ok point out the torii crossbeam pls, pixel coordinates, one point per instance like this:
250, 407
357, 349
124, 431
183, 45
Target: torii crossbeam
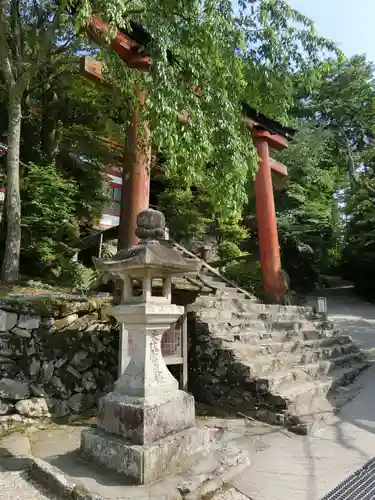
265, 133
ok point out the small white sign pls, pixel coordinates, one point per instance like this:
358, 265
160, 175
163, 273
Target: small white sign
322, 305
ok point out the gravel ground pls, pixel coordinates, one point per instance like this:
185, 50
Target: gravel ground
14, 486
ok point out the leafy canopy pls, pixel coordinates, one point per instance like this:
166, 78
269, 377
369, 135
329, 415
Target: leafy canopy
251, 53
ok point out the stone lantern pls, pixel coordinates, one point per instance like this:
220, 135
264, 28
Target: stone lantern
146, 426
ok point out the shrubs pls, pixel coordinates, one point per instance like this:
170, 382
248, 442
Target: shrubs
228, 250
76, 275
358, 255
247, 275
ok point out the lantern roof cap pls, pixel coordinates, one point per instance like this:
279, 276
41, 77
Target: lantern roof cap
151, 253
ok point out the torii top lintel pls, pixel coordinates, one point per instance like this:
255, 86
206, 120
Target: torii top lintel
130, 47
125, 46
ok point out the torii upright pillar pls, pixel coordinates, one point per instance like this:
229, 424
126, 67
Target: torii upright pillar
135, 192
137, 152
273, 280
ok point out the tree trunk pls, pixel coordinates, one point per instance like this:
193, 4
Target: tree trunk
11, 262
50, 133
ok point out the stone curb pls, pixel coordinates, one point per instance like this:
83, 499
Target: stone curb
57, 482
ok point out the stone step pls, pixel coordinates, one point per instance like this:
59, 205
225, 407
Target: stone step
233, 314
271, 317
303, 398
283, 360
216, 321
266, 365
243, 308
307, 372
256, 336
233, 327
274, 308
208, 302
287, 325
264, 348
280, 361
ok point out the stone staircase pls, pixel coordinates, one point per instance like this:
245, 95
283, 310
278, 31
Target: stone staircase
279, 364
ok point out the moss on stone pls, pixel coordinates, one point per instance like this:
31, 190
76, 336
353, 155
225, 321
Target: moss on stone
53, 306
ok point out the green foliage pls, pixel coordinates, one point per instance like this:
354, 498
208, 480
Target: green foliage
345, 103
359, 248
76, 275
191, 214
49, 218
228, 229
51, 205
108, 251
39, 58
247, 275
283, 54
326, 207
306, 206
187, 215
229, 250
230, 56
332, 264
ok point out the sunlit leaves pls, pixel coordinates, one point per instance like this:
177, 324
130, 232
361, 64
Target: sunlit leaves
250, 53
280, 44
49, 215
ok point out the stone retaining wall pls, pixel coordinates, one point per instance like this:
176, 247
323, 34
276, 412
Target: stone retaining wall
215, 376
56, 357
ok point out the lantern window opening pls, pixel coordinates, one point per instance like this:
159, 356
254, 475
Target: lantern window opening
157, 286
137, 287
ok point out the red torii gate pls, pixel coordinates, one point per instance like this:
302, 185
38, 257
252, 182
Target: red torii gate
265, 133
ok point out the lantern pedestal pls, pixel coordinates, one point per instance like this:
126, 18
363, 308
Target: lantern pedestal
146, 426
144, 464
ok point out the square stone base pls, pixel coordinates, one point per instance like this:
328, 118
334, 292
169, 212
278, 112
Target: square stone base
148, 463
144, 420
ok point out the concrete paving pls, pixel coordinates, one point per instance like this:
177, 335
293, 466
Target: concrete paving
306, 468
355, 317
57, 446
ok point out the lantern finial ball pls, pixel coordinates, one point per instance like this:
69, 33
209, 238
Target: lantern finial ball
150, 225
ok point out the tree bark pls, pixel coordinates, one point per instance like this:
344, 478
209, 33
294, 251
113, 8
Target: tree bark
50, 130
11, 261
